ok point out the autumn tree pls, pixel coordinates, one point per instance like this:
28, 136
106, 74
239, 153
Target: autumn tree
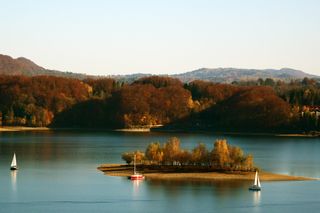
140, 156
200, 155
223, 156
171, 151
102, 87
128, 157
236, 157
252, 109
220, 156
247, 163
154, 153
36, 100
185, 158
159, 81
227, 157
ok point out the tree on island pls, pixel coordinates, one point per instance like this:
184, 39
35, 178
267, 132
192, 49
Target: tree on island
154, 153
129, 156
223, 156
200, 155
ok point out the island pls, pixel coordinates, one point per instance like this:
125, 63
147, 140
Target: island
122, 170
170, 162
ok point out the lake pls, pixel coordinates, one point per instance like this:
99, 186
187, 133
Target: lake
58, 173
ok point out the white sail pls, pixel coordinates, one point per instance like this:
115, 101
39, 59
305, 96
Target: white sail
256, 179
14, 161
256, 185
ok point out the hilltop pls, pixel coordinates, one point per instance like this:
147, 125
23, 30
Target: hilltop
228, 75
26, 67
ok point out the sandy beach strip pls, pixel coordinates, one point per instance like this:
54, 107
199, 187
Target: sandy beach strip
125, 171
22, 128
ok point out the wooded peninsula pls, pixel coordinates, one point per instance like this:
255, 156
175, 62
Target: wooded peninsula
262, 106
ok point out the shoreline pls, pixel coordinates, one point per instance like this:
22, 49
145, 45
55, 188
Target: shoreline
152, 130
133, 130
121, 170
273, 134
22, 128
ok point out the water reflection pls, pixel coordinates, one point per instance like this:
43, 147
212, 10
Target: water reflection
67, 162
256, 198
136, 185
14, 180
220, 189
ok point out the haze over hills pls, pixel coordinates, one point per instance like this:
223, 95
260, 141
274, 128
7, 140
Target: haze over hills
24, 66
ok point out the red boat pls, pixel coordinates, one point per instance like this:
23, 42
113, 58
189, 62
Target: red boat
135, 176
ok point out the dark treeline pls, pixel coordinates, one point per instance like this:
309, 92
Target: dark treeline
261, 106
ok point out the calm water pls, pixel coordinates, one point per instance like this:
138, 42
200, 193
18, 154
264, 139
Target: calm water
58, 174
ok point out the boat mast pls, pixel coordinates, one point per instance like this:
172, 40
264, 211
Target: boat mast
134, 164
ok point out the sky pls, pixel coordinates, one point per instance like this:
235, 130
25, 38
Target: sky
104, 37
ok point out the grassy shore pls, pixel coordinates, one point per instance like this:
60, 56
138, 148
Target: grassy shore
125, 171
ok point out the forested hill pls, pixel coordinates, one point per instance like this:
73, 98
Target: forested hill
26, 67
229, 75
263, 106
23, 66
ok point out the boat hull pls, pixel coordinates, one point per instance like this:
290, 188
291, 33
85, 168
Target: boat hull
254, 188
13, 168
136, 177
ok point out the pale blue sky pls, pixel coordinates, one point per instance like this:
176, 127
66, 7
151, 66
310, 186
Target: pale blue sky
162, 36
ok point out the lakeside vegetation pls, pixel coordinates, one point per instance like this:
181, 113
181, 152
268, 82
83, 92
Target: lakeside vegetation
223, 157
156, 174
264, 105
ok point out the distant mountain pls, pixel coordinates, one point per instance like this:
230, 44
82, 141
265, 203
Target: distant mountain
228, 75
128, 78
24, 66
19, 66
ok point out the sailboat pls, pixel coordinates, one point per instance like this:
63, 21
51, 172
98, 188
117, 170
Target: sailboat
14, 163
256, 185
135, 176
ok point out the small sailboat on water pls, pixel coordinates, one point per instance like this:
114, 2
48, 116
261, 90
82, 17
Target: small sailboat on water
14, 163
256, 185
135, 176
